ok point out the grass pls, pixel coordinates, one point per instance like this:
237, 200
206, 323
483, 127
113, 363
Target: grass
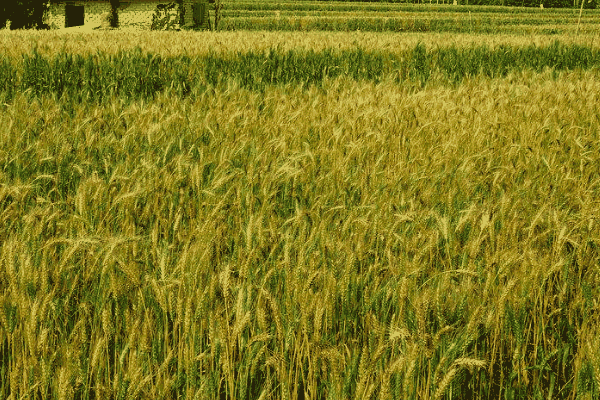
429, 237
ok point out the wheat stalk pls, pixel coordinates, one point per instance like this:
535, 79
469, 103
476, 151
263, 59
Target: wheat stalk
445, 382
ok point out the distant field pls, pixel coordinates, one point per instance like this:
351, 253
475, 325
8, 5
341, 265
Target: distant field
344, 16
14, 44
302, 215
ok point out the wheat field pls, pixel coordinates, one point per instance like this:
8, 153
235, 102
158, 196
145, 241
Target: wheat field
347, 240
14, 44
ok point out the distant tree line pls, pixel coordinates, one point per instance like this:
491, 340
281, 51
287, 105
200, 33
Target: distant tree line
28, 14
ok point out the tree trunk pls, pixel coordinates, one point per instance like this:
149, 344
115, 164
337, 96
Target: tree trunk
218, 8
114, 13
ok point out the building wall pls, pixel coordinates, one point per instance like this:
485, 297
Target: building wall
132, 14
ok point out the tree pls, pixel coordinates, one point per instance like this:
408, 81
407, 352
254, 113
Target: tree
3, 15
24, 14
218, 8
114, 13
181, 12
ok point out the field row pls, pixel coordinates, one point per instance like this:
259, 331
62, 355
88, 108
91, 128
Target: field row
344, 16
464, 24
13, 44
134, 74
369, 7
528, 19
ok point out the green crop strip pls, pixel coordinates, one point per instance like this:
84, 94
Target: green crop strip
460, 23
135, 75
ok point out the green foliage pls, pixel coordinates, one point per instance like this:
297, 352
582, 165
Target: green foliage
8, 77
134, 75
254, 70
419, 64
586, 384
128, 75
